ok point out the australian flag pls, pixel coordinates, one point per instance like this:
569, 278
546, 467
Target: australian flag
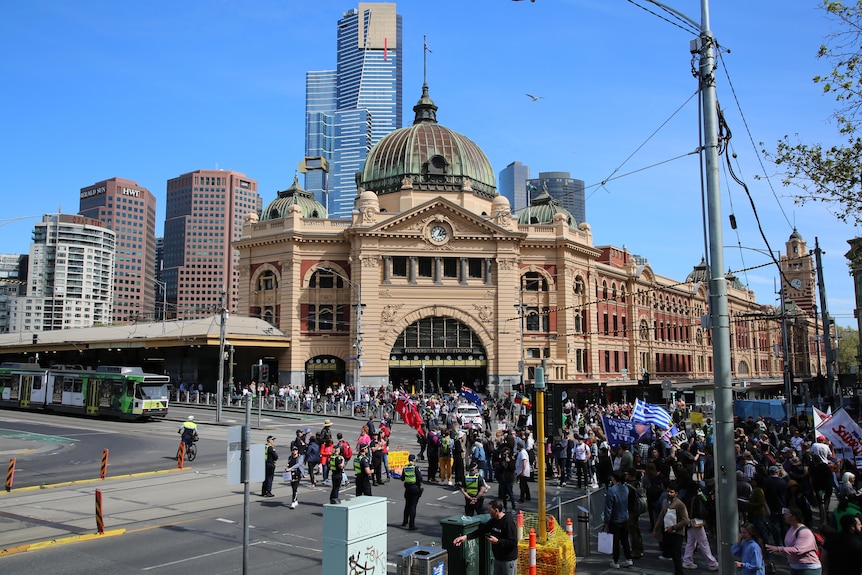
471, 396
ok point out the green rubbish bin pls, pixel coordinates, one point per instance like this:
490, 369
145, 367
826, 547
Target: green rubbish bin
472, 557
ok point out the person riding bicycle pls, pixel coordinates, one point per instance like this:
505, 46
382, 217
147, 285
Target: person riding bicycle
189, 431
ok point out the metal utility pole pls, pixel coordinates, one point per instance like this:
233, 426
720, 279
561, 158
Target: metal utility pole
725, 462
827, 331
785, 352
220, 384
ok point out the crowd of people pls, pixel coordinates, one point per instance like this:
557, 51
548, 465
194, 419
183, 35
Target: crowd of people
786, 476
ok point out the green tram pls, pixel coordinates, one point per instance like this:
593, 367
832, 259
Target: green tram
109, 391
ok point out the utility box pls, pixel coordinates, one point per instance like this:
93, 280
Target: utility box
423, 561
470, 557
354, 536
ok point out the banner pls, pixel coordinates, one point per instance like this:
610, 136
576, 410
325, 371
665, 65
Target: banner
397, 461
845, 435
619, 431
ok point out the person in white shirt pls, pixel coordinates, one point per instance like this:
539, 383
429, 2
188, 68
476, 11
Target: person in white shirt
522, 470
582, 455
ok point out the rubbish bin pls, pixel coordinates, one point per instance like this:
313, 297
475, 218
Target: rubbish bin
583, 534
421, 560
466, 559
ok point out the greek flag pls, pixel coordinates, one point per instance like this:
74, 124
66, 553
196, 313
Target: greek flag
650, 413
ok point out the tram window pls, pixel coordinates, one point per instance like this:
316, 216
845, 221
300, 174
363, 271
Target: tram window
5, 381
37, 382
67, 384
78, 385
130, 388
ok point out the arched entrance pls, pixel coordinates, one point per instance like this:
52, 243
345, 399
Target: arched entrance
438, 354
324, 371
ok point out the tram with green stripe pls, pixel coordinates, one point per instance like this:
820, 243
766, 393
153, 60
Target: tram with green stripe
108, 391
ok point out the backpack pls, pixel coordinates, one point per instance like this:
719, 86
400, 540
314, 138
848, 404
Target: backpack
637, 503
346, 450
818, 540
446, 446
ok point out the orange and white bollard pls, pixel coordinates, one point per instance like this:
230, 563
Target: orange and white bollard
10, 474
103, 471
520, 525
181, 454
570, 531
100, 522
532, 570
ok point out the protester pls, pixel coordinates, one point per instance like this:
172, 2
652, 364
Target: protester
800, 545
616, 519
502, 533
671, 525
747, 550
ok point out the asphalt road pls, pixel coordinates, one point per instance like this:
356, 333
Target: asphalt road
166, 521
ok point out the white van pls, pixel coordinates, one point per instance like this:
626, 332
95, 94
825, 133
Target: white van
470, 416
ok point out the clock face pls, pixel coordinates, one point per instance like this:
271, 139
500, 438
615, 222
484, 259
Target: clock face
438, 233
796, 283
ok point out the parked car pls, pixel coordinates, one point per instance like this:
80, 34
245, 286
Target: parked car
470, 415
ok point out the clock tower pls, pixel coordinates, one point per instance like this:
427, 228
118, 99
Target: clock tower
797, 281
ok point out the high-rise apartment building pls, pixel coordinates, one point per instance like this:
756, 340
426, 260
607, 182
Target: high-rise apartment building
130, 210
10, 287
349, 109
512, 182
70, 279
204, 215
562, 187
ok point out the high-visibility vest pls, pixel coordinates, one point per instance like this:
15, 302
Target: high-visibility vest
334, 462
357, 466
471, 485
409, 473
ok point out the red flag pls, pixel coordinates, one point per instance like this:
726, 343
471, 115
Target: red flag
409, 413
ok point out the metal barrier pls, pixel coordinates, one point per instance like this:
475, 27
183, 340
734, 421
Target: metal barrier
589, 510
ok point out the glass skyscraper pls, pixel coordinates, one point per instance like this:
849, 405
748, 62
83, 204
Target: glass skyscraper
349, 109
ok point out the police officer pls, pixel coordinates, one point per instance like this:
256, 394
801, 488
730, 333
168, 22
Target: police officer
362, 470
473, 490
412, 479
336, 472
271, 458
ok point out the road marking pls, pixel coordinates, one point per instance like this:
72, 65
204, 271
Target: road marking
197, 557
442, 498
15, 434
225, 520
94, 480
59, 541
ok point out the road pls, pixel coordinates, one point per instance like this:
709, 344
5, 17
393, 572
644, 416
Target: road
165, 521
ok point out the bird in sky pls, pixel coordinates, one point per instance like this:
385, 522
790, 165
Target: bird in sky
534, 98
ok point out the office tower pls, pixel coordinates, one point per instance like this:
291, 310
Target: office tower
70, 279
204, 214
561, 186
159, 281
512, 183
10, 284
349, 109
130, 210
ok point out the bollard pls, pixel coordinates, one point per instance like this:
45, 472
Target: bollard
570, 531
520, 525
103, 471
181, 454
100, 523
10, 474
532, 570
583, 549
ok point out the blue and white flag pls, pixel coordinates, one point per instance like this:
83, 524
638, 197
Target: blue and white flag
669, 435
471, 396
650, 413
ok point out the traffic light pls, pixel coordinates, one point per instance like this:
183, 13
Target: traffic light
264, 373
644, 380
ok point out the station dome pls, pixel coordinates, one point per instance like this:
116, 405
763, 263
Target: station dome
545, 209
427, 156
280, 207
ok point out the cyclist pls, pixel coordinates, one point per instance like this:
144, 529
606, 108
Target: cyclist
189, 431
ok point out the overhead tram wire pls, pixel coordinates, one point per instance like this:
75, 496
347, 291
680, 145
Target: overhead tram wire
686, 25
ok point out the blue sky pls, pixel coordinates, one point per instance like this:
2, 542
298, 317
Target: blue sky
150, 90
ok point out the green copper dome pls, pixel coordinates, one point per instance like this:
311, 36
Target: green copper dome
294, 196
542, 210
433, 157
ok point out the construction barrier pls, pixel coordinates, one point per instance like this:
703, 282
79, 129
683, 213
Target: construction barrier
570, 531
181, 454
532, 547
10, 474
554, 556
520, 525
100, 522
103, 471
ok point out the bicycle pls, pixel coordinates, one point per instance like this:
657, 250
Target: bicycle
191, 450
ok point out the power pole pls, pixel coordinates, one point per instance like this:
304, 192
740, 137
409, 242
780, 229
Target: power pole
221, 345
827, 331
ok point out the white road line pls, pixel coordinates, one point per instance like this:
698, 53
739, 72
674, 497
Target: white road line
442, 498
196, 557
225, 520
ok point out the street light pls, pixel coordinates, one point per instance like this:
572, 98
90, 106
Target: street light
357, 342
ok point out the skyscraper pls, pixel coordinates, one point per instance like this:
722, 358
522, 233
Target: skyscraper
71, 275
130, 210
349, 109
204, 214
512, 183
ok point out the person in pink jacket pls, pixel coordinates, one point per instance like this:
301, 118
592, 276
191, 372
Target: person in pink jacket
800, 545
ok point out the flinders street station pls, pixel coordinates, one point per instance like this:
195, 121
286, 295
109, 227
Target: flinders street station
433, 281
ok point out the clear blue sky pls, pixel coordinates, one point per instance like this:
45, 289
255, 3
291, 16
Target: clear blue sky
150, 90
